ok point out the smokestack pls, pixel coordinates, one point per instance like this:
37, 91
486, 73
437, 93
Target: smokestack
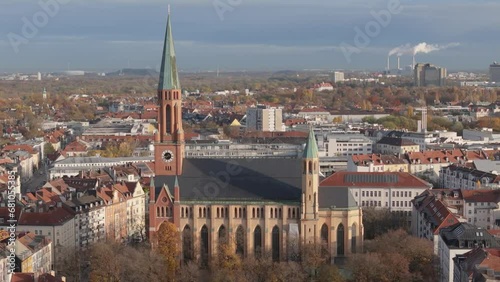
414, 62
399, 62
388, 63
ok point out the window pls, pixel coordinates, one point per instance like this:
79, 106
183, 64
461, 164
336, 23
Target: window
379, 204
363, 193
371, 193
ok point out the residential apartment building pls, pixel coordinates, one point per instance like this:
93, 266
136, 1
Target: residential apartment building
264, 118
115, 213
90, 213
394, 145
391, 190
481, 264
481, 207
462, 177
377, 163
428, 164
5, 276
57, 223
346, 145
433, 210
136, 207
459, 239
33, 253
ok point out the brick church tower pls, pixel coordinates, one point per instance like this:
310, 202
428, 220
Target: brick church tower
169, 145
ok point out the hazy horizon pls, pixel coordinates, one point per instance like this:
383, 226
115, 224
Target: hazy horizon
257, 35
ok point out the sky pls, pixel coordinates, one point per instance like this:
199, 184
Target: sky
106, 35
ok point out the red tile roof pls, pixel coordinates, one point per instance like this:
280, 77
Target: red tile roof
55, 216
22, 277
374, 179
23, 147
488, 196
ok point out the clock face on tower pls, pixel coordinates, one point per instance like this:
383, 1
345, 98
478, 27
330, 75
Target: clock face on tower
168, 156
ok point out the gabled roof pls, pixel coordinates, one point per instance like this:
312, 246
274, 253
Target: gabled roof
375, 179
53, 217
249, 180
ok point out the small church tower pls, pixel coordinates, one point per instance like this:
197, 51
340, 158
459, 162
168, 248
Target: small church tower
310, 183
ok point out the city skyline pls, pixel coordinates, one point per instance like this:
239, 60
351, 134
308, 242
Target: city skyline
106, 35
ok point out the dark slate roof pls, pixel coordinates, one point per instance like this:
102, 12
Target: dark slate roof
460, 234
335, 197
237, 180
396, 141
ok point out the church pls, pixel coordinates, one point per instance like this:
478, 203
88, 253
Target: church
271, 205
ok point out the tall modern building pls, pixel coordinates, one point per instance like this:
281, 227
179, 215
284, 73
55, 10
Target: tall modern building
428, 74
495, 72
338, 77
263, 118
257, 205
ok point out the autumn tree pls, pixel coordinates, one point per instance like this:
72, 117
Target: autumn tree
169, 247
48, 148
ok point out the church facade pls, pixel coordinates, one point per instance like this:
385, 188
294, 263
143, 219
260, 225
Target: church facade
271, 205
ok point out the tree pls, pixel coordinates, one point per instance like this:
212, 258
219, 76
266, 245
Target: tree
169, 248
417, 252
48, 148
378, 221
369, 267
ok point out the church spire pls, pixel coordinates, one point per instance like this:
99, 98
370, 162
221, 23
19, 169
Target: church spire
311, 149
169, 78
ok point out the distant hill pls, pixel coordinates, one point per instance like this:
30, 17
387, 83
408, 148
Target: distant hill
134, 72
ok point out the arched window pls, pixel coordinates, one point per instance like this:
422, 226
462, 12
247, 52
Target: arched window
182, 212
204, 245
280, 215
158, 212
257, 241
310, 167
239, 211
340, 240
240, 241
289, 213
244, 212
235, 212
187, 243
222, 235
199, 213
258, 213
253, 212
168, 118
218, 213
354, 232
325, 242
271, 213
275, 242
227, 214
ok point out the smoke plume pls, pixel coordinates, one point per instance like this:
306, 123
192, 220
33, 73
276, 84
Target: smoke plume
423, 47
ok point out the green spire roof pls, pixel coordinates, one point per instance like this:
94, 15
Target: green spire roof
152, 182
176, 183
311, 149
169, 79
